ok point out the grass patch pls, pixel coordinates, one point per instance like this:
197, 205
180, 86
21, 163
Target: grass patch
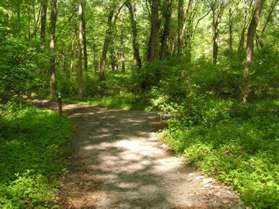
33, 146
241, 150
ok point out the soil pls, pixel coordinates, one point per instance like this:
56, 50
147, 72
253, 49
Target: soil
119, 162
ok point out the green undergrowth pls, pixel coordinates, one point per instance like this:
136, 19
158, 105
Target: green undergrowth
34, 144
125, 101
239, 144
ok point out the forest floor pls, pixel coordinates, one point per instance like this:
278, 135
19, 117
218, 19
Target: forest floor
120, 162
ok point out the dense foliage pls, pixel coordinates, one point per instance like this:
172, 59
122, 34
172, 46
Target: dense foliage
236, 143
33, 146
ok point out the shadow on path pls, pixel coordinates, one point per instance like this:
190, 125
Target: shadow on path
120, 163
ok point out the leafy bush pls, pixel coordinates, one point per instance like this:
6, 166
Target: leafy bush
235, 142
19, 64
240, 148
33, 144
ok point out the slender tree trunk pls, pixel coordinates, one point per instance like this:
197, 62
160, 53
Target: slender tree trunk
230, 42
188, 30
122, 51
36, 21
64, 62
82, 48
113, 59
266, 23
216, 18
80, 67
95, 57
80, 73
245, 88
52, 47
153, 47
215, 37
180, 23
69, 61
83, 33
269, 16
241, 40
243, 30
72, 62
106, 45
164, 51
132, 10
44, 4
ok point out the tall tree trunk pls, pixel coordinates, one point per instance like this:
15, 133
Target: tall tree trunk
36, 21
52, 47
82, 48
241, 40
245, 88
188, 30
180, 23
113, 59
83, 32
153, 46
164, 51
216, 18
95, 57
44, 4
230, 42
132, 10
106, 45
215, 31
243, 30
122, 51
72, 62
80, 73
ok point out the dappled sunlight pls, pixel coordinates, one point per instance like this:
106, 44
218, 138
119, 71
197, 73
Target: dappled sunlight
126, 166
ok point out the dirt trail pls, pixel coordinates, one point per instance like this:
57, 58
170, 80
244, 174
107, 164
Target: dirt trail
120, 163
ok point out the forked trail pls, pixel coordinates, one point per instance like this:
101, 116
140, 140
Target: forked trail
120, 163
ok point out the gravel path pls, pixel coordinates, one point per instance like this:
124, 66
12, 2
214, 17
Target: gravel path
119, 162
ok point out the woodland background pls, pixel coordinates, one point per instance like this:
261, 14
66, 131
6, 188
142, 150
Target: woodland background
210, 66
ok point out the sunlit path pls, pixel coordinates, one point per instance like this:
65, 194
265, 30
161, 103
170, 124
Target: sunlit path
120, 163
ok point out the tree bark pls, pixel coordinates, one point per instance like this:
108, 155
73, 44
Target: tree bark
132, 10
243, 30
106, 45
73, 51
95, 57
122, 51
188, 30
164, 51
153, 46
82, 47
241, 40
52, 47
83, 33
230, 42
217, 12
245, 88
44, 4
180, 23
215, 37
113, 59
